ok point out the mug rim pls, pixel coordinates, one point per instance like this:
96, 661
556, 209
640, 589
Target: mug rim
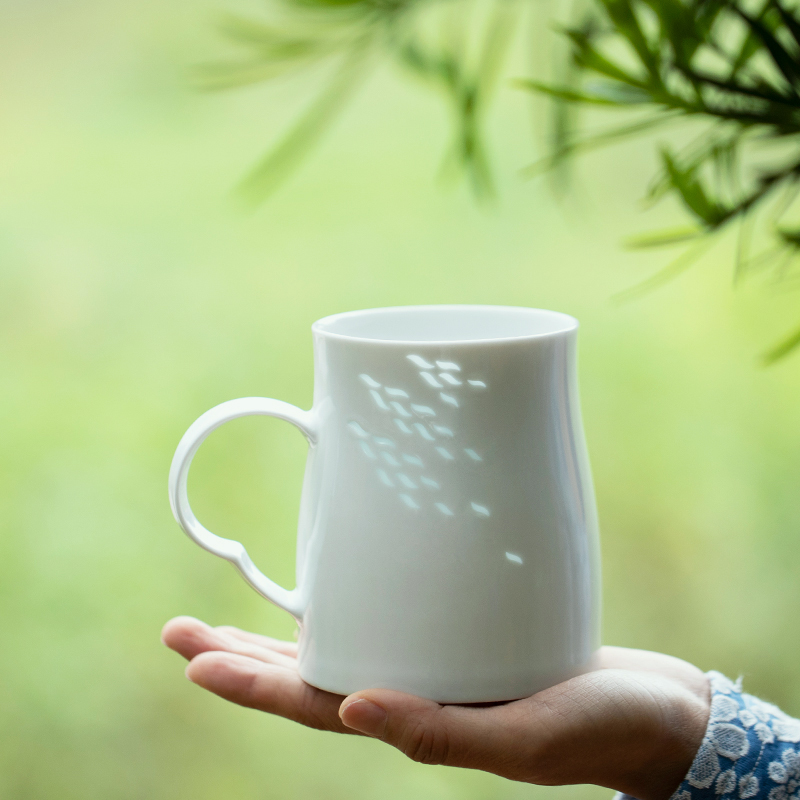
568, 324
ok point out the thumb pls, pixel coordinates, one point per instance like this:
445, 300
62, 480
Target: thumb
429, 733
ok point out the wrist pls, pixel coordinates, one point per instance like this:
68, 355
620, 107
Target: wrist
677, 738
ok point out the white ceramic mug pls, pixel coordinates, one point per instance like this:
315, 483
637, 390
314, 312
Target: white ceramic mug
447, 540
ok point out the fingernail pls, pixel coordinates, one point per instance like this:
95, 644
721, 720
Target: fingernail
364, 716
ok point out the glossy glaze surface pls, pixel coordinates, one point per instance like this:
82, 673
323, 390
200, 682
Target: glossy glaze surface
447, 541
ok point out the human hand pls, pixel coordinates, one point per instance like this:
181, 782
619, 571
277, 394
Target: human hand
633, 724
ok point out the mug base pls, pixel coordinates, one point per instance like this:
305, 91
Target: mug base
500, 689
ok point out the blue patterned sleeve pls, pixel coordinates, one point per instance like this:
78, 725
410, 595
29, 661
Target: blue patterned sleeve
750, 750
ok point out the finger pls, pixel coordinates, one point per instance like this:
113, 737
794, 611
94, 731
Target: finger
266, 687
190, 637
185, 635
278, 645
480, 738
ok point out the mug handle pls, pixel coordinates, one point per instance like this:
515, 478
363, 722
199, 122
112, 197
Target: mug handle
230, 549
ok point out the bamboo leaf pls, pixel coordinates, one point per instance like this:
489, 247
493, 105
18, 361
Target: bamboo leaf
782, 348
621, 93
760, 91
332, 3
788, 66
791, 236
789, 20
259, 35
751, 44
622, 14
215, 77
679, 265
566, 94
592, 142
692, 192
279, 163
663, 238
495, 45
587, 56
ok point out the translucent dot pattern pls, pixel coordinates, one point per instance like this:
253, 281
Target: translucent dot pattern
426, 444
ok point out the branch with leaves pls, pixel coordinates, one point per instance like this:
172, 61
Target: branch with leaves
732, 64
430, 38
725, 62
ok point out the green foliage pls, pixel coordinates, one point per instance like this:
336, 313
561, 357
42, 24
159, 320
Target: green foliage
347, 38
731, 63
131, 301
727, 62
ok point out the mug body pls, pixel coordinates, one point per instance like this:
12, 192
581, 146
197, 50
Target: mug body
448, 542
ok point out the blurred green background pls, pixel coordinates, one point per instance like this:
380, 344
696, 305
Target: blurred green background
134, 295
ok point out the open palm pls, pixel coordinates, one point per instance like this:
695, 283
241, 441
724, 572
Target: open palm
632, 724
